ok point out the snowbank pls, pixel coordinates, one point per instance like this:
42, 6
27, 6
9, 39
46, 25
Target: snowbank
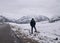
49, 32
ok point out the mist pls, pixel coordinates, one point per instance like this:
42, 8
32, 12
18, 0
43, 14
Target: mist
18, 8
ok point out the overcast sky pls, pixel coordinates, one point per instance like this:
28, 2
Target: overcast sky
18, 8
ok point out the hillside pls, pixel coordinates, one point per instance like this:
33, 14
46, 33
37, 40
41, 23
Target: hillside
48, 32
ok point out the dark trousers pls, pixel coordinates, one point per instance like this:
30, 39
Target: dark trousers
32, 29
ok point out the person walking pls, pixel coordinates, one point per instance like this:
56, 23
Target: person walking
32, 24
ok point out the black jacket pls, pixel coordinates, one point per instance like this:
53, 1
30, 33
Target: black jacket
33, 23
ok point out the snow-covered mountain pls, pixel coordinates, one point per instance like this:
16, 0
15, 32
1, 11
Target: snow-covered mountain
3, 19
54, 18
11, 20
27, 19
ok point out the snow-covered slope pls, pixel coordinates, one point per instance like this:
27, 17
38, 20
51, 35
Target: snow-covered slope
2, 19
49, 32
24, 19
5, 19
27, 19
54, 18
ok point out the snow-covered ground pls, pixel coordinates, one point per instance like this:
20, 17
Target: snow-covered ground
49, 32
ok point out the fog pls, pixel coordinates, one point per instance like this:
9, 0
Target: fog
19, 8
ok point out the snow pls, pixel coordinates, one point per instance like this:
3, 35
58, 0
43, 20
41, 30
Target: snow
24, 19
18, 8
48, 31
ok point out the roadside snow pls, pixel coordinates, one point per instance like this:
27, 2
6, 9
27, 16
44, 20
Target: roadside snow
48, 31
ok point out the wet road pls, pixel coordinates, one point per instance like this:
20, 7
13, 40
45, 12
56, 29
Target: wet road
6, 36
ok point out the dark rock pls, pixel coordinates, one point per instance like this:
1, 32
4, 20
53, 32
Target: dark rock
56, 39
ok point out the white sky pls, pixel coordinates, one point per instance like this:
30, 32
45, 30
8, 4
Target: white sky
17, 8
